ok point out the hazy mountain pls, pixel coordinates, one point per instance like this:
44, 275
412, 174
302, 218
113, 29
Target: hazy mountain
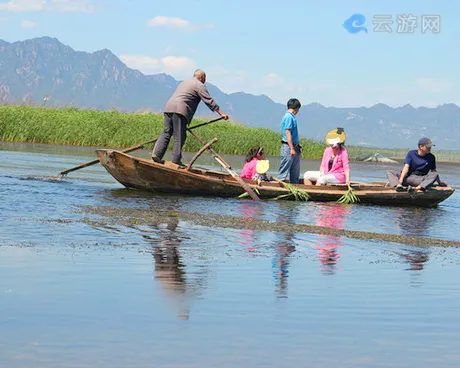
44, 67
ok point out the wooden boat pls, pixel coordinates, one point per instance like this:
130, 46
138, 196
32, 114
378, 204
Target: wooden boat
139, 173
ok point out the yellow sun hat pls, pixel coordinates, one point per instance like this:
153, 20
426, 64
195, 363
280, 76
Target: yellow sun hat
262, 166
335, 136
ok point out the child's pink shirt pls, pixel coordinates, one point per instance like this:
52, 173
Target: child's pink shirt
249, 169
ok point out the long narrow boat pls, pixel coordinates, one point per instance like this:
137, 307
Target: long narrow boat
142, 174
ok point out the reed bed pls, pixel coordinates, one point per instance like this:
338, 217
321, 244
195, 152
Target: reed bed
79, 127
114, 129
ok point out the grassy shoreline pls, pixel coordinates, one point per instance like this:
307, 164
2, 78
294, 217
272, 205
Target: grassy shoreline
113, 129
79, 127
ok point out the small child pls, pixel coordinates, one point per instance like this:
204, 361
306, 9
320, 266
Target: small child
254, 155
254, 158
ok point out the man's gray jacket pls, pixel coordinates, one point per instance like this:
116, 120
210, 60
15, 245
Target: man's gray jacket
186, 98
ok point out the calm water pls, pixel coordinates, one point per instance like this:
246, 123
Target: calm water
75, 293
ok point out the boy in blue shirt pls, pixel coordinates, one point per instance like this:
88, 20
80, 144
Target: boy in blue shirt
290, 148
419, 169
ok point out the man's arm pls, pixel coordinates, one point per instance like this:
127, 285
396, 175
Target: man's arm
209, 101
404, 172
289, 141
225, 116
441, 183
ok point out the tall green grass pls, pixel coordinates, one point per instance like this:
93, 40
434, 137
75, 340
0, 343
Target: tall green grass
79, 127
71, 126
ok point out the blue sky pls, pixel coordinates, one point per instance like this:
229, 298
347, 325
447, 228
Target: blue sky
281, 49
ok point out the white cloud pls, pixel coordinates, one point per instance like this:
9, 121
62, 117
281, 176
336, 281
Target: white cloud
175, 23
177, 66
4, 20
28, 24
273, 85
22, 6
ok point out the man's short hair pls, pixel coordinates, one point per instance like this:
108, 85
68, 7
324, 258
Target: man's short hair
199, 73
293, 103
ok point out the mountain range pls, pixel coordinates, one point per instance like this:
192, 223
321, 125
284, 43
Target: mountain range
45, 71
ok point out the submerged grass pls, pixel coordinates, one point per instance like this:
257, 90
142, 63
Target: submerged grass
71, 126
131, 217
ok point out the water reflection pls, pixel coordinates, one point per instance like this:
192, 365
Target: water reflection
332, 216
179, 283
416, 222
283, 246
280, 264
415, 258
248, 235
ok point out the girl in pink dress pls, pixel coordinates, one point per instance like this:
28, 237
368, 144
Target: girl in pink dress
249, 169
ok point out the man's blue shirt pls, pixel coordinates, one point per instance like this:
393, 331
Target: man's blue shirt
289, 122
421, 164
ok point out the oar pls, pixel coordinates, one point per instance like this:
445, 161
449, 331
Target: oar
203, 124
227, 167
129, 149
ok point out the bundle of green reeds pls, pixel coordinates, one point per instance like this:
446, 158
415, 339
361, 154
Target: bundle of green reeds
349, 197
299, 194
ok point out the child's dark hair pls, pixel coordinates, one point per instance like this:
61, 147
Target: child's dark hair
254, 152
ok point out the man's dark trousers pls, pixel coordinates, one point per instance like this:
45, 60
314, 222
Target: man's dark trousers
175, 125
424, 181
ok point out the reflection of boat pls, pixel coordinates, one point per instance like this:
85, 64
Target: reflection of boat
139, 173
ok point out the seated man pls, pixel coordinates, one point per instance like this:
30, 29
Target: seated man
419, 169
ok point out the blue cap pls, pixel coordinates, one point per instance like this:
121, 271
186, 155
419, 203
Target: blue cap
425, 142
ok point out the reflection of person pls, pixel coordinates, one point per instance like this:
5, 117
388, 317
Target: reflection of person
290, 144
281, 268
332, 216
335, 164
179, 112
419, 169
170, 270
281, 259
416, 259
416, 222
248, 234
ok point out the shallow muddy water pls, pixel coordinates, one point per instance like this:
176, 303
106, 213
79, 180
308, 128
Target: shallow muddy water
95, 275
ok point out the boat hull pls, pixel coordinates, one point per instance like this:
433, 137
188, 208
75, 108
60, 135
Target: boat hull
142, 174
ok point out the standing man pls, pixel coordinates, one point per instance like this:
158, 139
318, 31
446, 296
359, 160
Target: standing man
179, 112
290, 147
419, 169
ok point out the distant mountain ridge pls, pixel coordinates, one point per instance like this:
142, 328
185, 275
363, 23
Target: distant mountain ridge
42, 67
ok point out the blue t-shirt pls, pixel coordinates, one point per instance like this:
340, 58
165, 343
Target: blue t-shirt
421, 164
289, 122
